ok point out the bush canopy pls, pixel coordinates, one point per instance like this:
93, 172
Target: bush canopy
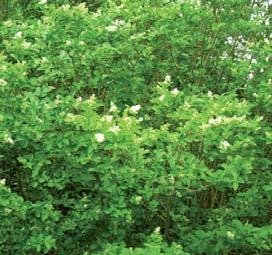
135, 127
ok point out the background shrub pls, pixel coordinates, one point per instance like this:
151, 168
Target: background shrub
142, 124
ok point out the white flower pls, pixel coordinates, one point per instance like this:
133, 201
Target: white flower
135, 108
175, 91
114, 129
70, 117
3, 68
82, 7
118, 22
240, 46
68, 43
216, 121
127, 120
210, 94
62, 53
121, 22
197, 2
51, 87
118, 7
91, 100
167, 79
204, 126
255, 95
115, 25
58, 100
26, 45
23, 25
47, 106
230, 40
223, 120
132, 37
23, 63
224, 145
141, 119
138, 35
45, 19
251, 75
113, 107
99, 137
18, 34
79, 99
107, 118
44, 60
8, 23
8, 210
111, 28
254, 61
138, 199
230, 235
8, 139
247, 56
157, 230
161, 98
65, 7
97, 13
3, 82
186, 105
43, 2
266, 40
171, 179
81, 43
224, 56
2, 182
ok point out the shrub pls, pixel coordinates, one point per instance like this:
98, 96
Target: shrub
121, 118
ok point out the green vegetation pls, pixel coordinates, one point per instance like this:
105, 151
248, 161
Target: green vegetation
135, 127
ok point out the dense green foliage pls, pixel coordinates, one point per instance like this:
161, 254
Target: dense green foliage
135, 127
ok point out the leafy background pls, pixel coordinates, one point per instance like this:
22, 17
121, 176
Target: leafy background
135, 127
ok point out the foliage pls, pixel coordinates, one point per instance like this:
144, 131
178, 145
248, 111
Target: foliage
142, 124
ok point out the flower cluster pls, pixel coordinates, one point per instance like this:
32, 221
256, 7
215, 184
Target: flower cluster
107, 118
18, 35
70, 117
100, 138
8, 139
167, 79
65, 7
8, 23
82, 7
2, 182
222, 120
113, 107
224, 145
135, 108
115, 25
43, 2
114, 129
91, 100
3, 82
230, 235
175, 91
